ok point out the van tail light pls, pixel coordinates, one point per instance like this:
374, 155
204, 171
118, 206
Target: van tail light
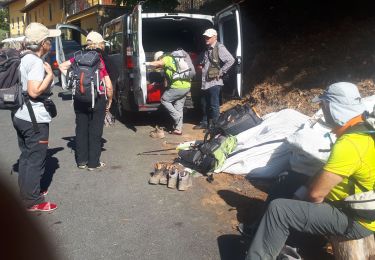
55, 65
129, 62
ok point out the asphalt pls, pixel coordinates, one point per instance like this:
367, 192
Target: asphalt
113, 213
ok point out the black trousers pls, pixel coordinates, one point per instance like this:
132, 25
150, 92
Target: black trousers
32, 161
89, 131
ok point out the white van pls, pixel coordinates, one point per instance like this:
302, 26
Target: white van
133, 39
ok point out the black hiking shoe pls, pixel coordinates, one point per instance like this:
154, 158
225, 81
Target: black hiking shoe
247, 230
200, 126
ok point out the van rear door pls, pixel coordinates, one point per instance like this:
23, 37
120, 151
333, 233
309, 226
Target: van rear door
138, 59
228, 22
72, 39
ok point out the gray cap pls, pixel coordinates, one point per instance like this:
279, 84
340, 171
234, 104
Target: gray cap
344, 101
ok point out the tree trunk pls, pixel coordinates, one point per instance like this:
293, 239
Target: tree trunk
360, 249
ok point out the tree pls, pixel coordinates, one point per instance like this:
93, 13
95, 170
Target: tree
4, 20
151, 5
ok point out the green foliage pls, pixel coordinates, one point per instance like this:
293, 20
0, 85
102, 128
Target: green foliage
4, 20
151, 5
3, 34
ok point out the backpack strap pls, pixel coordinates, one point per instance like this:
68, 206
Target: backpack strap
31, 113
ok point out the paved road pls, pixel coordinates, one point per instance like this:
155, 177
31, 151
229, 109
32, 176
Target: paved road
113, 213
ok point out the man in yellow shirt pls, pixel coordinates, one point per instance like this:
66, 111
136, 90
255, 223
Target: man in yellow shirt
352, 155
173, 98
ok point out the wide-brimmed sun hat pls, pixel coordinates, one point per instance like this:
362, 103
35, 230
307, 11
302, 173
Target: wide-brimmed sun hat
344, 101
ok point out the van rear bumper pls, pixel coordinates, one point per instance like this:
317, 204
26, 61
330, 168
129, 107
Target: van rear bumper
148, 107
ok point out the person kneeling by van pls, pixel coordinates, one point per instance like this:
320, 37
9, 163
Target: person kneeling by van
174, 97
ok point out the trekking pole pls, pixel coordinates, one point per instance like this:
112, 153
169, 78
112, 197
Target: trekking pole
157, 154
155, 151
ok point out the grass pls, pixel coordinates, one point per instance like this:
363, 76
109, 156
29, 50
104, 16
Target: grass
3, 34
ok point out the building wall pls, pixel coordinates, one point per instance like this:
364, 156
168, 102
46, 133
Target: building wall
16, 18
90, 23
49, 13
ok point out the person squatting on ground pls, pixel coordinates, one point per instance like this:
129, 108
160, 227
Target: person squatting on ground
36, 79
90, 121
215, 62
352, 155
174, 96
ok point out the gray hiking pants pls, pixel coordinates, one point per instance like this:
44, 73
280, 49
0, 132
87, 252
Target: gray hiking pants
173, 100
284, 215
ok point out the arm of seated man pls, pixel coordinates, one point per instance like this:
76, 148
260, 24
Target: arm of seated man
322, 185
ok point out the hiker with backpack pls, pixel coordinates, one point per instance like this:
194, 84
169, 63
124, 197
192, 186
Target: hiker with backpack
216, 62
349, 170
92, 94
179, 71
31, 120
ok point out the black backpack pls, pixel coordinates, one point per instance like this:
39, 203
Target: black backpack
84, 78
10, 77
236, 120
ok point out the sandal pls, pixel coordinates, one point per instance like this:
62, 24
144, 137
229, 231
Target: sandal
175, 132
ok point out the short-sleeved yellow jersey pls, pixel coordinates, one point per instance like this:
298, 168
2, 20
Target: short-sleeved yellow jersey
353, 154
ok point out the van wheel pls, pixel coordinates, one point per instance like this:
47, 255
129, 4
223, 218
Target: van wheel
117, 105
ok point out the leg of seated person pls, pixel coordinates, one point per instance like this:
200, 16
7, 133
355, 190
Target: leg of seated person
283, 215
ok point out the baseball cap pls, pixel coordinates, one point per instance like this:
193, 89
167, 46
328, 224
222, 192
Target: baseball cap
94, 37
158, 54
344, 101
37, 32
210, 32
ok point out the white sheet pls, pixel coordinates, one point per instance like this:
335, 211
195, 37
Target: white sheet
258, 158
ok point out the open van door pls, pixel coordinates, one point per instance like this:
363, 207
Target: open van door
228, 23
72, 39
138, 58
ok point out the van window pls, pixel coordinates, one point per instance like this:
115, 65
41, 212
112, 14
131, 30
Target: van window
114, 35
230, 35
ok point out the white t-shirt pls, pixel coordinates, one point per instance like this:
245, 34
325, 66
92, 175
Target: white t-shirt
32, 68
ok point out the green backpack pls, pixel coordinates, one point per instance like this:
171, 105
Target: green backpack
209, 155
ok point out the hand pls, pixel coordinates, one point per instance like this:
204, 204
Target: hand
147, 63
47, 68
108, 106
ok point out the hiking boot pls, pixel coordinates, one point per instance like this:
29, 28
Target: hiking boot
164, 178
247, 230
101, 165
159, 168
185, 180
200, 126
173, 177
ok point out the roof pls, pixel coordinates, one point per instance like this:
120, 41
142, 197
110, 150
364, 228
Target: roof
4, 3
31, 5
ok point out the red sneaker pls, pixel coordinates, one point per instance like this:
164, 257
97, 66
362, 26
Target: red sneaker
43, 207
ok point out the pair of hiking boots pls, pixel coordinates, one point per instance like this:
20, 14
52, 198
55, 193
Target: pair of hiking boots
172, 175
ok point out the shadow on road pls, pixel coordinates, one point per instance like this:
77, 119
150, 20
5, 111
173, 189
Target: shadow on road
248, 209
232, 247
52, 164
72, 144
